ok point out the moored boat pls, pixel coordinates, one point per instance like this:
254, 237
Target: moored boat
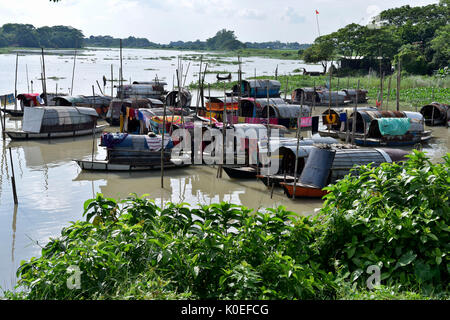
56, 122
129, 152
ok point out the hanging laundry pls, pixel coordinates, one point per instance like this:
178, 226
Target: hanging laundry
343, 117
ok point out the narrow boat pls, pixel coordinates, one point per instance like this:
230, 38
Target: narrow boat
328, 165
377, 128
56, 122
302, 191
320, 96
129, 152
241, 172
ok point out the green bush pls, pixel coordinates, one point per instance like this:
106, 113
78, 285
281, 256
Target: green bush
394, 216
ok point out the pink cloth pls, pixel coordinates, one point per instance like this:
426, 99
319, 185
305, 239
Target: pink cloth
306, 122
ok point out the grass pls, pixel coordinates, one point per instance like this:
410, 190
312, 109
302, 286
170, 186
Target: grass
414, 90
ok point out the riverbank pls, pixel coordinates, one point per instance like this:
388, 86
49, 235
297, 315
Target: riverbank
415, 91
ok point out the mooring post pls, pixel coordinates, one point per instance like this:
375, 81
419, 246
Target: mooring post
13, 180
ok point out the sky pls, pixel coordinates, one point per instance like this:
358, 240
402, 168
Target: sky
188, 20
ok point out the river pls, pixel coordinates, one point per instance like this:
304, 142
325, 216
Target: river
51, 187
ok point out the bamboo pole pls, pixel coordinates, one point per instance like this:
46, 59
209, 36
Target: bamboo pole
162, 145
381, 90
93, 129
389, 93
4, 119
299, 134
268, 129
44, 77
73, 71
398, 84
354, 115
329, 102
15, 82
99, 88
2, 115
286, 90
13, 180
121, 72
112, 83
28, 82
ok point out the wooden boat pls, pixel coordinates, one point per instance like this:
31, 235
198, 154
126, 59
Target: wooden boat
369, 130
320, 166
22, 135
129, 152
240, 172
13, 113
105, 165
302, 191
56, 122
275, 180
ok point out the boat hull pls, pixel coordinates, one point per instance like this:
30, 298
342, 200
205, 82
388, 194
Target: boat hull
103, 165
302, 191
13, 113
21, 135
240, 172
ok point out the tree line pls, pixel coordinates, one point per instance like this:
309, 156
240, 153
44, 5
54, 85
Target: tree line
417, 36
26, 35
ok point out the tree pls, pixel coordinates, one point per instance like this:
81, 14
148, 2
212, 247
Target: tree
441, 47
322, 51
224, 40
412, 58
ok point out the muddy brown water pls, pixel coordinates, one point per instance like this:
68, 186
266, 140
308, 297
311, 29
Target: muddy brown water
52, 189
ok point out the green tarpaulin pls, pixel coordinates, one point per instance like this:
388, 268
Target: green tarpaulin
393, 126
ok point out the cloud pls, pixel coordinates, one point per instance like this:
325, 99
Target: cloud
251, 14
292, 16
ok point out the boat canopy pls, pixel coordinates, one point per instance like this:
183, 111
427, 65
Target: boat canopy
217, 104
173, 98
82, 100
416, 119
436, 113
260, 88
121, 141
57, 119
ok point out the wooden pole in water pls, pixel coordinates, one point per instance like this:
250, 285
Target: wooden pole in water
93, 130
4, 118
44, 79
99, 88
1, 120
285, 91
15, 82
299, 134
381, 90
268, 129
121, 72
398, 84
13, 180
28, 82
389, 93
162, 145
112, 83
73, 71
329, 102
354, 116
